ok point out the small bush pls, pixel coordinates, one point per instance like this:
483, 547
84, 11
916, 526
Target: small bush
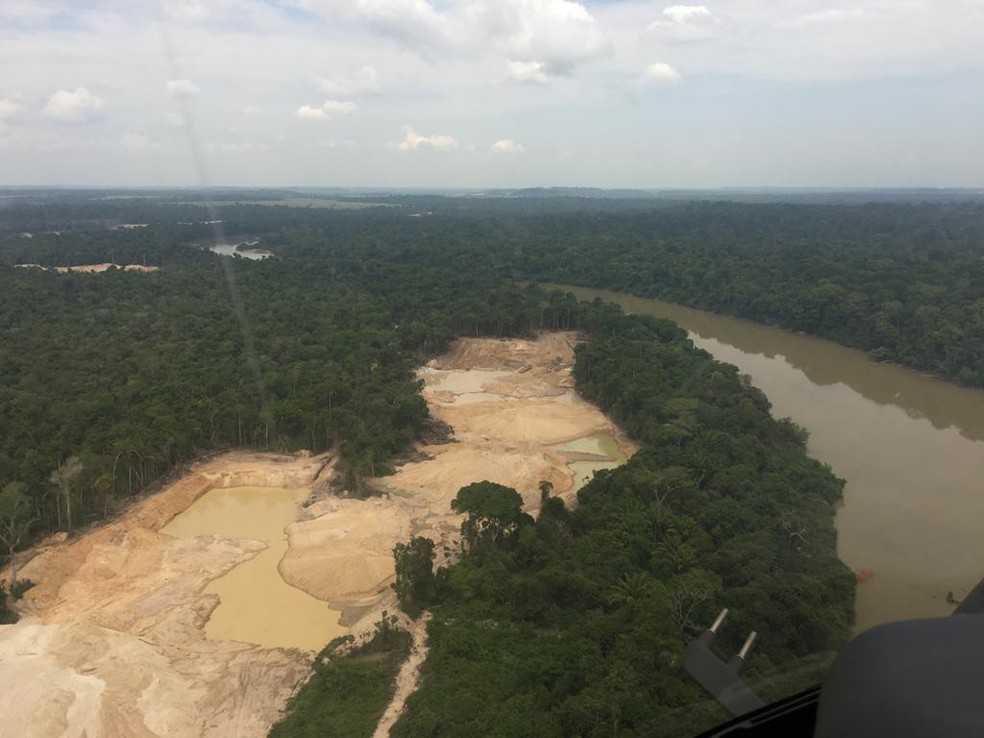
19, 588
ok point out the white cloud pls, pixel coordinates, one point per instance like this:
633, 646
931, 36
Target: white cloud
80, 106
203, 11
26, 10
364, 81
527, 72
174, 120
309, 113
257, 15
252, 110
139, 142
451, 78
660, 72
333, 145
507, 146
413, 141
9, 109
339, 107
182, 88
683, 14
682, 23
559, 34
416, 22
186, 10
327, 109
234, 147
834, 15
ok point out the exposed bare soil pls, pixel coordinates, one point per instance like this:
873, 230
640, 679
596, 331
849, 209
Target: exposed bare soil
342, 550
92, 268
112, 641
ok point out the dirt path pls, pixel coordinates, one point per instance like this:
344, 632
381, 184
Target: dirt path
407, 678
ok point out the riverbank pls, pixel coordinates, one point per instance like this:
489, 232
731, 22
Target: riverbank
909, 447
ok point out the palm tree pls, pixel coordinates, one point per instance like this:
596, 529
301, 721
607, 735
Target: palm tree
630, 588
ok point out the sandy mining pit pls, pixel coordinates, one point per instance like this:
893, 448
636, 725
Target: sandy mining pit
112, 639
509, 403
91, 268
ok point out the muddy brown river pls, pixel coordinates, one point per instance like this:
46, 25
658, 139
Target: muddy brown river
910, 447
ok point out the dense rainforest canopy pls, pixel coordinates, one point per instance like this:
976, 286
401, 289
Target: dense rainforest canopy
574, 624
109, 382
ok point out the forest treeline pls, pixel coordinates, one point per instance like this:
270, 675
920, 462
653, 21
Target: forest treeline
109, 382
904, 283
350, 686
124, 376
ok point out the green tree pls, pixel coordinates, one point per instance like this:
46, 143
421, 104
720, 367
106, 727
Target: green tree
16, 519
494, 512
630, 588
416, 584
64, 478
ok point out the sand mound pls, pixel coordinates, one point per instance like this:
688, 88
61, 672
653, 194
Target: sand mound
548, 350
77, 679
537, 421
345, 552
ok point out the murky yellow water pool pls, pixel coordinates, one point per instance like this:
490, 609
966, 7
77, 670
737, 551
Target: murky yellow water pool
258, 606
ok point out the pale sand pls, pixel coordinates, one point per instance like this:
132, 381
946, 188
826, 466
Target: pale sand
111, 642
91, 268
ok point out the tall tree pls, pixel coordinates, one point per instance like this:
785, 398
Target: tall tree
494, 512
415, 583
16, 519
64, 478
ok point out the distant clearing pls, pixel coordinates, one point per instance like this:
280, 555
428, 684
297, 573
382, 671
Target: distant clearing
305, 202
90, 268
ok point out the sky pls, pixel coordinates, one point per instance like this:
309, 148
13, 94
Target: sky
492, 93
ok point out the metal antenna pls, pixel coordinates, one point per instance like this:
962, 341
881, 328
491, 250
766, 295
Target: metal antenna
719, 679
749, 642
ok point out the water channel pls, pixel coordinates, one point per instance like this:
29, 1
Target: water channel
237, 249
910, 447
257, 605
